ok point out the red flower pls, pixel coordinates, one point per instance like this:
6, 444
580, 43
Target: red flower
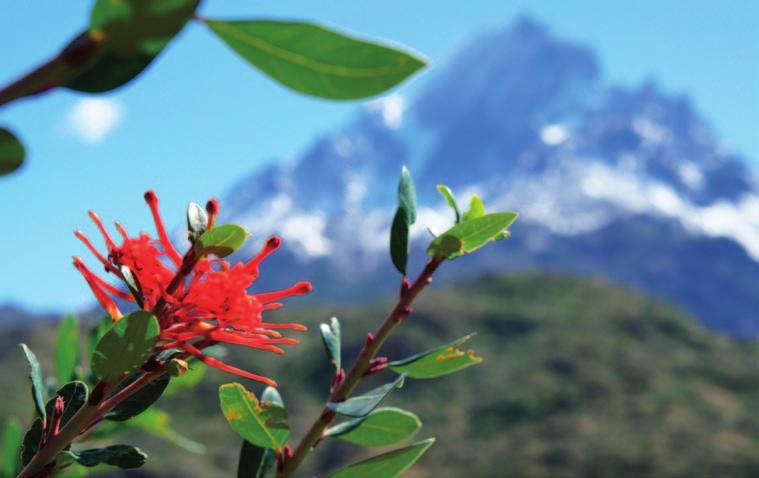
198, 301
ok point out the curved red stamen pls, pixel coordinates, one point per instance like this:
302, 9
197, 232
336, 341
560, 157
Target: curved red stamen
212, 208
108, 241
110, 267
168, 247
301, 288
270, 246
225, 367
108, 304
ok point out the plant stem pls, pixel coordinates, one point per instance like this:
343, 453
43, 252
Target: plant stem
359, 368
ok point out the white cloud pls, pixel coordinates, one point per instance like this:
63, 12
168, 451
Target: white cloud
391, 108
92, 119
554, 134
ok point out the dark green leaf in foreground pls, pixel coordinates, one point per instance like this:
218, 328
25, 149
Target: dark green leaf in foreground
387, 465
331, 338
221, 241
469, 236
139, 401
31, 442
438, 361
315, 60
35, 377
122, 456
255, 461
12, 436
126, 346
384, 426
127, 36
12, 152
450, 199
362, 405
67, 349
262, 424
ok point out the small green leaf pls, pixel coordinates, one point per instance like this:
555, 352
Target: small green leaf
121, 456
472, 235
12, 152
316, 61
331, 338
35, 377
450, 199
67, 352
189, 379
12, 437
126, 346
255, 461
221, 241
407, 195
363, 405
438, 361
384, 426
197, 221
262, 424
387, 465
476, 209
140, 401
400, 244
127, 35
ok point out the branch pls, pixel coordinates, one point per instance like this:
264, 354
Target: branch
360, 366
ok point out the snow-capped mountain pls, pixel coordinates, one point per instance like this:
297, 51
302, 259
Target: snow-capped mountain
628, 184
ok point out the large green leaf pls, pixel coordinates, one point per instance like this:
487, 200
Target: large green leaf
384, 426
12, 436
363, 405
35, 377
316, 61
67, 349
331, 338
12, 152
387, 465
470, 235
221, 241
121, 456
262, 424
254, 461
128, 35
126, 346
438, 361
140, 401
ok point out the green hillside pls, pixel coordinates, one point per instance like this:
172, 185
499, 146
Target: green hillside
580, 379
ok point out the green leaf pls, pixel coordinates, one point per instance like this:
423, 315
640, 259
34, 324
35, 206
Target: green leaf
469, 236
450, 199
157, 423
139, 401
387, 465
126, 346
128, 35
221, 241
12, 436
407, 195
197, 221
255, 461
12, 152
400, 244
189, 379
405, 216
122, 456
476, 209
74, 396
363, 405
35, 377
438, 361
331, 338
316, 61
262, 424
384, 426
67, 350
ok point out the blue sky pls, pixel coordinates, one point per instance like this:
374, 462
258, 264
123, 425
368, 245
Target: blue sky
199, 118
